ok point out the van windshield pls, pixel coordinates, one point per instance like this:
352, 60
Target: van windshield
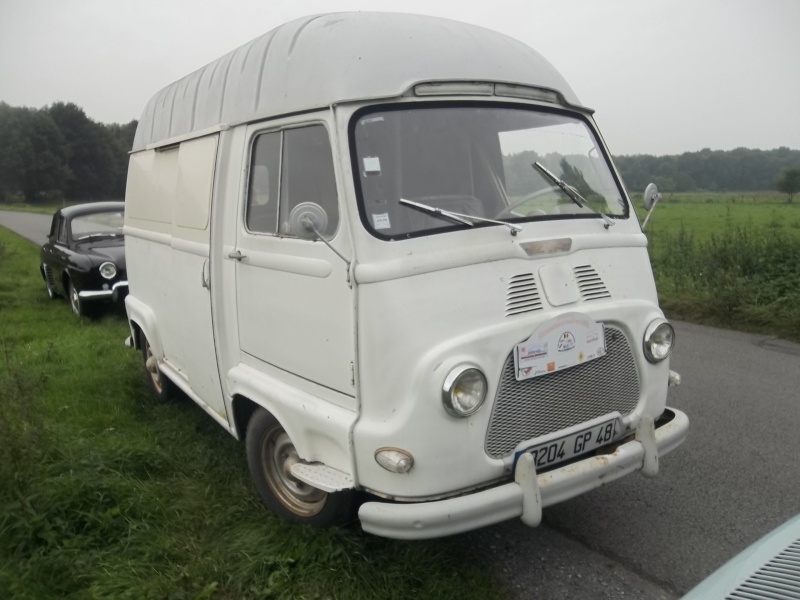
476, 161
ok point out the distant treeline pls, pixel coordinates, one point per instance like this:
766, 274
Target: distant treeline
57, 153
739, 170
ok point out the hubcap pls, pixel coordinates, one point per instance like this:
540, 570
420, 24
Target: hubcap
152, 368
75, 300
278, 454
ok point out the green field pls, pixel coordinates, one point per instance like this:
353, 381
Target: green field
715, 213
105, 493
731, 260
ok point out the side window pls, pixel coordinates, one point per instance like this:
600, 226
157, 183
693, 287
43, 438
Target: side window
54, 227
307, 175
262, 195
288, 168
62, 231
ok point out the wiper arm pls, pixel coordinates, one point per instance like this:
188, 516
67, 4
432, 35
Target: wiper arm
461, 218
572, 193
89, 236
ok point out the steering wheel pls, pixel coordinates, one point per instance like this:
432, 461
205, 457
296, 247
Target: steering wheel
532, 196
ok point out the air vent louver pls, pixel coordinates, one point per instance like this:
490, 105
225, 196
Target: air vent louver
523, 295
589, 283
778, 578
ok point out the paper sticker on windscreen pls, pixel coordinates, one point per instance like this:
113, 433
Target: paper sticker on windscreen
372, 165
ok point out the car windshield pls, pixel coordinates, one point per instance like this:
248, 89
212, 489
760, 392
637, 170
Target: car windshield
100, 224
477, 161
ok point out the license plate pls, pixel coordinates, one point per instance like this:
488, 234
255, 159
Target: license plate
574, 444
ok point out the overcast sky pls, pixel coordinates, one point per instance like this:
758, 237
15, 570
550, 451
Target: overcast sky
665, 76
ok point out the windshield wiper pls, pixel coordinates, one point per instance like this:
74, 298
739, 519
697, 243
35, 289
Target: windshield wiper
572, 193
89, 236
461, 218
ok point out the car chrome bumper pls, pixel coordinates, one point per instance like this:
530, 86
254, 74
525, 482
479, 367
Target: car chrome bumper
529, 493
113, 293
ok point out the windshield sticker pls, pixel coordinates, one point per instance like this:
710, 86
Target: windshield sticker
566, 341
372, 165
381, 221
371, 120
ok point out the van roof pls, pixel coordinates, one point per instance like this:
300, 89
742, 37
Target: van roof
318, 61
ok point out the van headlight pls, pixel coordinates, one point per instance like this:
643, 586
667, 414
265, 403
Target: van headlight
464, 391
659, 338
108, 270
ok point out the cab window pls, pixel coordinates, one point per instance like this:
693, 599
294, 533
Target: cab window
288, 168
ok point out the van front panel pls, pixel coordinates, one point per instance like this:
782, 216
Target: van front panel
413, 331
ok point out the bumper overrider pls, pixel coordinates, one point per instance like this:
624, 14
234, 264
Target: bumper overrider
116, 292
530, 492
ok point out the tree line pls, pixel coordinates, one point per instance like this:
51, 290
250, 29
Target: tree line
739, 170
57, 153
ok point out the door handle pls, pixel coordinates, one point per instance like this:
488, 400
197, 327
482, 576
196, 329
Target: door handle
236, 255
204, 275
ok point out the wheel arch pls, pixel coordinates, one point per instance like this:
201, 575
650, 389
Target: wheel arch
319, 429
142, 320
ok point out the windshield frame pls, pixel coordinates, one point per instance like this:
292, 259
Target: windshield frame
486, 104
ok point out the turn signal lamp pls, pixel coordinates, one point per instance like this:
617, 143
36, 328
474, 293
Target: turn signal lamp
394, 459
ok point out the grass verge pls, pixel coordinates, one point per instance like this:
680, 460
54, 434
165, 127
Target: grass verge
745, 278
106, 494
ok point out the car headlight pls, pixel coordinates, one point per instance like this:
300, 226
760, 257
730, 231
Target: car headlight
464, 391
659, 338
108, 270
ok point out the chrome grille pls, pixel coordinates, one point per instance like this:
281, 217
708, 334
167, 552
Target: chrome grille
779, 578
589, 283
522, 295
48, 274
534, 407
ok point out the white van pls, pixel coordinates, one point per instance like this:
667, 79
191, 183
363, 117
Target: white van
392, 254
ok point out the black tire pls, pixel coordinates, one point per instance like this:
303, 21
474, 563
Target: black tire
270, 454
160, 385
75, 302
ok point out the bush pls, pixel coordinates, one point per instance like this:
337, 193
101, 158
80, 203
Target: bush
743, 278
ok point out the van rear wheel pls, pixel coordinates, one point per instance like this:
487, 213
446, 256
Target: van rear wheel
163, 389
270, 456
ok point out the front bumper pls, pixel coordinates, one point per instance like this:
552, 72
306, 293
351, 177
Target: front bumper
117, 292
529, 493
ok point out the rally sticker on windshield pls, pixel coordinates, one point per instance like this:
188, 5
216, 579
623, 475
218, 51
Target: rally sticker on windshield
568, 340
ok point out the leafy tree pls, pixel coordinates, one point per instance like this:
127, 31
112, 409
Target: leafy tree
91, 153
789, 182
57, 152
33, 159
574, 177
121, 142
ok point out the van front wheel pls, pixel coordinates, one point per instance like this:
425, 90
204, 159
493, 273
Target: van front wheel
270, 456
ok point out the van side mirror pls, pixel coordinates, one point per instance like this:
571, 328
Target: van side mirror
308, 220
651, 198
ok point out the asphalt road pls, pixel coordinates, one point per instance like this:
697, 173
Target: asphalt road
736, 478
31, 226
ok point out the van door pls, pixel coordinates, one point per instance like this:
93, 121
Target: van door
168, 225
294, 304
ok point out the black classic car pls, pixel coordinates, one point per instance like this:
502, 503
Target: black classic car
84, 257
